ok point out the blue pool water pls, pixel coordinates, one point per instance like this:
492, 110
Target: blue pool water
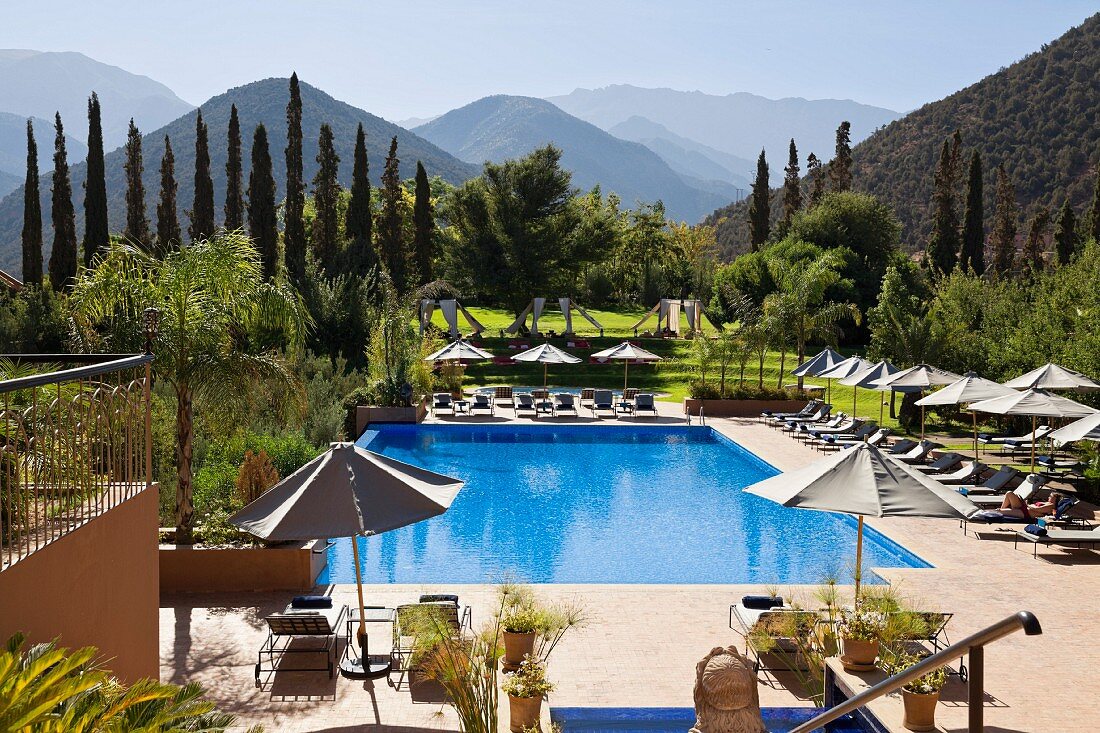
606, 504
679, 720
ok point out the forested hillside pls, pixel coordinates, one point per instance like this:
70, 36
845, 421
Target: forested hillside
1037, 117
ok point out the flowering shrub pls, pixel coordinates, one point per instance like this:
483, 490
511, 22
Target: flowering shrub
529, 680
862, 625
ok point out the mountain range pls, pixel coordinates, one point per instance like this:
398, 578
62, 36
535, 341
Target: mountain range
262, 101
500, 127
13, 149
1037, 117
38, 83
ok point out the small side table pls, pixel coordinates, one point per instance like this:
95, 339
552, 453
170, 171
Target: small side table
367, 665
461, 407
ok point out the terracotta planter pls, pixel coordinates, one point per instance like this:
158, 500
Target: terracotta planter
516, 645
523, 713
920, 710
858, 656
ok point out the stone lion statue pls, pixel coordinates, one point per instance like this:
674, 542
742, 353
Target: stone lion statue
726, 697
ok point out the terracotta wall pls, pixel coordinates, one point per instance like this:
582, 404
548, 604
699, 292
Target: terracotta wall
200, 569
96, 586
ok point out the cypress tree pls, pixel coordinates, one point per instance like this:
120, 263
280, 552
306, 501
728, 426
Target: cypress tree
63, 257
32, 215
1031, 258
326, 197
1005, 216
1092, 229
234, 199
943, 244
262, 217
972, 255
137, 225
760, 208
1065, 234
294, 233
97, 236
840, 169
423, 225
361, 256
202, 211
169, 234
817, 180
395, 254
792, 187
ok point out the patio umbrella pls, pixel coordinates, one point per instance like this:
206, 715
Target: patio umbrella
459, 351
971, 388
1034, 402
546, 354
626, 352
1052, 376
864, 481
825, 360
867, 378
848, 367
347, 492
921, 376
1087, 428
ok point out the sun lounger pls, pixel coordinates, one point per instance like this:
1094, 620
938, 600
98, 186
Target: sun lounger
945, 462
987, 439
482, 401
839, 442
967, 474
442, 401
603, 400
441, 611
768, 634
644, 403
1017, 445
1031, 483
565, 402
997, 482
524, 402
768, 415
586, 396
839, 423
503, 396
902, 446
853, 427
919, 453
285, 632
820, 416
818, 410
1079, 538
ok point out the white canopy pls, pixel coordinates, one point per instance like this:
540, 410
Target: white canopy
626, 352
971, 388
667, 311
535, 309
1034, 402
546, 354
823, 361
921, 375
1087, 428
459, 351
848, 367
1052, 376
867, 378
450, 309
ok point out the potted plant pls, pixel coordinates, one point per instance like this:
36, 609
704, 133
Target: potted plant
860, 631
919, 696
521, 625
526, 687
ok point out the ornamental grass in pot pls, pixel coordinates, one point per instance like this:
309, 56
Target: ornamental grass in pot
521, 627
919, 696
526, 688
860, 632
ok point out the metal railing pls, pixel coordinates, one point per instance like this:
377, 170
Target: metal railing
973, 646
74, 442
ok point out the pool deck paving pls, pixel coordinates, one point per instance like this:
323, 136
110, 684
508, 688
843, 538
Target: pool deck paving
641, 642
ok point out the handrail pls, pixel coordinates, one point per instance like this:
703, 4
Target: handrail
67, 375
974, 645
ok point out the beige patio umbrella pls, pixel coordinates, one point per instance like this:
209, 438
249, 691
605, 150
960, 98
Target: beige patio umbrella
823, 361
546, 354
921, 376
868, 379
1087, 428
626, 352
1051, 376
843, 370
971, 388
459, 350
347, 492
864, 481
1036, 403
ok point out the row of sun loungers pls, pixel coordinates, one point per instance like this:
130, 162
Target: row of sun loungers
543, 402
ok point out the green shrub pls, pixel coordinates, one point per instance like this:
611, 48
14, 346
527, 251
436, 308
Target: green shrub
214, 529
358, 396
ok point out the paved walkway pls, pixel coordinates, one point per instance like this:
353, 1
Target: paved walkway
642, 642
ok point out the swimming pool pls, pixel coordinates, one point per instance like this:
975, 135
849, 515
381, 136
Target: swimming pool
680, 720
601, 504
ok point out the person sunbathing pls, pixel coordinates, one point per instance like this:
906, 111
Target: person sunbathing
1014, 506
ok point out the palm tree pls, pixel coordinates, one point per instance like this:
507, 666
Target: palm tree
219, 319
797, 308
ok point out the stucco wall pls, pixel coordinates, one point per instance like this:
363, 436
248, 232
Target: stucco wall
199, 569
97, 586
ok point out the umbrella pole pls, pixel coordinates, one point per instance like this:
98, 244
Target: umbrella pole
544, 376
859, 555
854, 391
1033, 444
975, 415
922, 422
626, 371
881, 404
361, 636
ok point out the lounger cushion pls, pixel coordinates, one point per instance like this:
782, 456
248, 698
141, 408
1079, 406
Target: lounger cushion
762, 603
311, 602
1036, 530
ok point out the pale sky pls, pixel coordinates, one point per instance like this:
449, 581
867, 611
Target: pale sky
415, 58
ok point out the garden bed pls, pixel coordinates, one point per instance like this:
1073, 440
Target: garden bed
366, 414
740, 408
194, 568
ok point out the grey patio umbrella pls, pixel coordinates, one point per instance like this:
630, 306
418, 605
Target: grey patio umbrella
971, 388
1036, 403
921, 376
868, 378
848, 367
347, 492
1087, 428
546, 354
626, 352
823, 361
1052, 376
459, 351
864, 481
